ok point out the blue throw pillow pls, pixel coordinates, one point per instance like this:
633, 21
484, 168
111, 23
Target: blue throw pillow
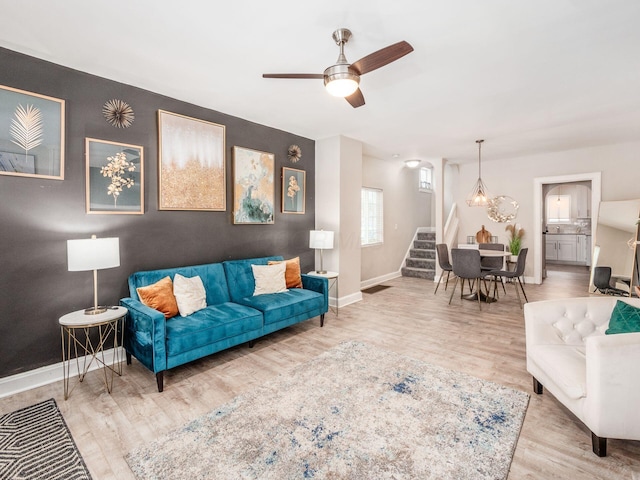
625, 318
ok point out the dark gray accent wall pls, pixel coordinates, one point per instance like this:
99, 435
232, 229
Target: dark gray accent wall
38, 216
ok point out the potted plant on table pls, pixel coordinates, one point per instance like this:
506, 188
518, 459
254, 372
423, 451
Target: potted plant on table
515, 241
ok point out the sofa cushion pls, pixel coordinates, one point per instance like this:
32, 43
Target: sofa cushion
280, 306
240, 276
566, 366
190, 294
212, 275
292, 273
269, 279
625, 318
159, 296
209, 325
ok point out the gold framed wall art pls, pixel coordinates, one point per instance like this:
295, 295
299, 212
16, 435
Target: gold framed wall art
191, 170
253, 186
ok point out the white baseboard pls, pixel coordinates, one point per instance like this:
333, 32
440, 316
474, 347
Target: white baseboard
378, 280
348, 300
24, 381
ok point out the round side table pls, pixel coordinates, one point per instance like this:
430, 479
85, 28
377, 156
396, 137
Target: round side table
333, 282
77, 341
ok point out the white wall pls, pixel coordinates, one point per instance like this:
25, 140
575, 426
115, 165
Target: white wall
619, 164
405, 209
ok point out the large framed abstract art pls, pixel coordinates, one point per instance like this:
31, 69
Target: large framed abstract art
191, 166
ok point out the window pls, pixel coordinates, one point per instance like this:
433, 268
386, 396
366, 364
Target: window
558, 208
371, 221
426, 180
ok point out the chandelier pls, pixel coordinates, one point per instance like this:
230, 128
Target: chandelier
479, 196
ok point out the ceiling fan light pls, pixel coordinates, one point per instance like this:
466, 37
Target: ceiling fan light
341, 87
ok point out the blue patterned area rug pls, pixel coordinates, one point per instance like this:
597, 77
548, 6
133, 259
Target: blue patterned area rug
35, 443
354, 412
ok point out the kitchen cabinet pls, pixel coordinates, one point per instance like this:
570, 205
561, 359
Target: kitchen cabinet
561, 248
572, 249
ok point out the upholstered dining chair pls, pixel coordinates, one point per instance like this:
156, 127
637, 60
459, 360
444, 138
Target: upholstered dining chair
492, 263
442, 250
602, 282
466, 266
515, 275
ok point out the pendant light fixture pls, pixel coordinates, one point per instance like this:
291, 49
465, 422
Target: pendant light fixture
479, 196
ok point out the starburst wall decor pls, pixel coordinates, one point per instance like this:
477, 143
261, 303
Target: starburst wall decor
118, 113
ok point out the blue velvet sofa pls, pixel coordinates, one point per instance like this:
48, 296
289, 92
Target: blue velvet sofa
232, 315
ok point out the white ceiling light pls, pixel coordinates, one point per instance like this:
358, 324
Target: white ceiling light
479, 196
413, 163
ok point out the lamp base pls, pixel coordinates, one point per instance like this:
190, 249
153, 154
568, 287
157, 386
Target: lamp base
95, 310
321, 272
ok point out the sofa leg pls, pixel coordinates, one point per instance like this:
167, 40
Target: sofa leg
322, 320
599, 445
128, 358
160, 381
251, 343
537, 386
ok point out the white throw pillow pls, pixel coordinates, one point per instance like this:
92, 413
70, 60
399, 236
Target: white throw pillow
190, 294
269, 278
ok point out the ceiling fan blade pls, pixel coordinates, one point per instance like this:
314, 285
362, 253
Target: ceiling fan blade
382, 57
356, 99
294, 75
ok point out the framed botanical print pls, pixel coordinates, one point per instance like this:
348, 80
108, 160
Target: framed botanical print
31, 134
293, 190
115, 177
191, 164
253, 186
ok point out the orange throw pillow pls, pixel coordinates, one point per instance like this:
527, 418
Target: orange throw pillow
292, 273
160, 296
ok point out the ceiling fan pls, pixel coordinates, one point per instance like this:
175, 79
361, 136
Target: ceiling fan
343, 79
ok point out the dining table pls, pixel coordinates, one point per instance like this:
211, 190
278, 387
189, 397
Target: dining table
483, 297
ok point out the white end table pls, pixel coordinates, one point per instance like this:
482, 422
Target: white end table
75, 328
333, 282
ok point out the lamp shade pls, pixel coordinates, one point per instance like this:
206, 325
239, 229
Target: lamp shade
93, 253
321, 239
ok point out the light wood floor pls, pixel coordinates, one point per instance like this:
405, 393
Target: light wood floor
407, 318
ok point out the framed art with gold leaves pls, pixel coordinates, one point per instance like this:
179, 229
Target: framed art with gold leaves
294, 190
115, 177
253, 186
31, 134
191, 166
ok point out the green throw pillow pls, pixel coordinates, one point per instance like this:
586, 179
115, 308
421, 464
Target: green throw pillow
625, 318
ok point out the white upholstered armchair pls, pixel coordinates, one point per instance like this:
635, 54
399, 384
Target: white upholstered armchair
596, 376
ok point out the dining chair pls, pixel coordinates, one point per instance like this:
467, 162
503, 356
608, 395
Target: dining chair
602, 282
515, 275
466, 266
442, 250
492, 263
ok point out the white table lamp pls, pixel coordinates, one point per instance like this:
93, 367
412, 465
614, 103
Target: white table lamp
321, 240
93, 254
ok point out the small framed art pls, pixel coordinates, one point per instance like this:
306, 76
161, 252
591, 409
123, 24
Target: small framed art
253, 186
31, 134
294, 188
115, 177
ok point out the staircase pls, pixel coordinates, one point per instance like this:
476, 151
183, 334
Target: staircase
421, 262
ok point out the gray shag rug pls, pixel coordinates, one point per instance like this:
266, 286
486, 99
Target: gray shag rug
35, 443
354, 412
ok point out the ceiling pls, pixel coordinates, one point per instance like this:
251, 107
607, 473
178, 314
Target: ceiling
527, 76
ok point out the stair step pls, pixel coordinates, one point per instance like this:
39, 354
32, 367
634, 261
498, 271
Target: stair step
430, 236
426, 263
418, 273
425, 244
422, 253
